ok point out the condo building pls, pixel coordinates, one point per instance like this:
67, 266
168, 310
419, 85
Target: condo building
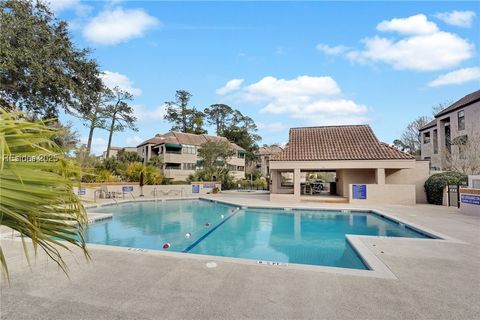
445, 136
179, 153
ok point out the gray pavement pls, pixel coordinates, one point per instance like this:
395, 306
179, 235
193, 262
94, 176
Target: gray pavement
436, 280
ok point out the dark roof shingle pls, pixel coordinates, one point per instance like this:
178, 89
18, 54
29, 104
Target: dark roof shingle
186, 138
354, 142
468, 99
431, 124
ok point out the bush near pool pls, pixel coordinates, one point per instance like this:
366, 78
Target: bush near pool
437, 182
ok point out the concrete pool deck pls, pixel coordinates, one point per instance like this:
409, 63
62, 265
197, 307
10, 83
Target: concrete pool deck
435, 280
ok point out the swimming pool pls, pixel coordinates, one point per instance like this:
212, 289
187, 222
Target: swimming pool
211, 228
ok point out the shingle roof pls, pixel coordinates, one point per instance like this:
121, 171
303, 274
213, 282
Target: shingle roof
188, 138
153, 140
355, 142
269, 150
468, 99
431, 124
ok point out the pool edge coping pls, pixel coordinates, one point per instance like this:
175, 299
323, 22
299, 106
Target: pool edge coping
378, 269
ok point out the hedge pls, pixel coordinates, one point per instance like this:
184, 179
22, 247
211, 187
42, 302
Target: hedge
437, 182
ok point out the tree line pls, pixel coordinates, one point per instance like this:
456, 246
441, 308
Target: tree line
410, 140
43, 73
227, 121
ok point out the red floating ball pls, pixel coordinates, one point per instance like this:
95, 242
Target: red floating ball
207, 225
166, 246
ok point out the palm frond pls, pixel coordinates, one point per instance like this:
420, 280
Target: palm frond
36, 189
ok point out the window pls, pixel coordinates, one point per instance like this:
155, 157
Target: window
476, 183
240, 168
173, 166
461, 120
426, 137
435, 141
231, 167
189, 149
286, 179
189, 166
241, 155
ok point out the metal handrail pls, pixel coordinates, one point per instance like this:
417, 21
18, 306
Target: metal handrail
98, 191
154, 191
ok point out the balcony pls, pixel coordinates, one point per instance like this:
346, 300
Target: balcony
173, 151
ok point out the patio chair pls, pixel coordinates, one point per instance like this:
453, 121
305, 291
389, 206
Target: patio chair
317, 188
110, 194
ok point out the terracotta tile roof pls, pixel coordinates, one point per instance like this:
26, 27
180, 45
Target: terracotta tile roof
468, 99
355, 142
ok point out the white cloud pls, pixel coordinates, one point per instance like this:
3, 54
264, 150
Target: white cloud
457, 77
133, 141
272, 127
417, 24
331, 50
113, 79
118, 25
457, 18
59, 6
302, 87
317, 100
429, 52
417, 45
144, 114
230, 86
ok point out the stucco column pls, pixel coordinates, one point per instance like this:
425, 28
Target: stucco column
296, 183
274, 179
380, 176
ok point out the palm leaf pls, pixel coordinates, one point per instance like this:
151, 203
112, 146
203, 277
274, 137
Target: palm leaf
36, 197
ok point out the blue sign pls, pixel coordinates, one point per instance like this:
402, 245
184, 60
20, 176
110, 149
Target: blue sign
359, 191
470, 199
127, 188
195, 188
82, 191
209, 185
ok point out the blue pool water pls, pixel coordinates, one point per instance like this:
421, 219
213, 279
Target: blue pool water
297, 236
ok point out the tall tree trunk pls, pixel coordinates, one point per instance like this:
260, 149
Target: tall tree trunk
184, 119
90, 137
110, 136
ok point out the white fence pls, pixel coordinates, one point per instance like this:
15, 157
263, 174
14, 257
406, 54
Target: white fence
132, 192
382, 193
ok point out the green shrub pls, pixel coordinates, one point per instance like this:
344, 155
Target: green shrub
179, 182
242, 183
105, 176
214, 174
437, 182
260, 183
151, 174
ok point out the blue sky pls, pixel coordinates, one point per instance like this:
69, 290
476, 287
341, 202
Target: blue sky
284, 64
